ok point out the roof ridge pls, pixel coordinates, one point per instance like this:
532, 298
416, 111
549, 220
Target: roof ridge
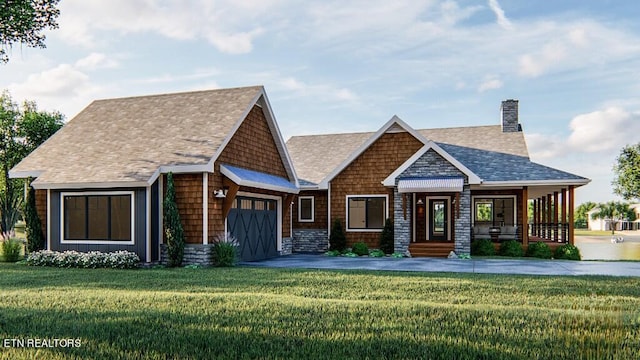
178, 93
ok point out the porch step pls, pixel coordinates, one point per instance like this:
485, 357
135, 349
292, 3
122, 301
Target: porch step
431, 249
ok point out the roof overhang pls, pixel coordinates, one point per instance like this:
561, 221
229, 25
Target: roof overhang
257, 179
574, 182
24, 174
88, 185
430, 184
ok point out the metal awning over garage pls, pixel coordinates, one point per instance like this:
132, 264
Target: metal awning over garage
430, 184
257, 179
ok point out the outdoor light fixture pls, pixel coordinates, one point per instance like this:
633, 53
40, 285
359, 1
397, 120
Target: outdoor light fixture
220, 194
419, 202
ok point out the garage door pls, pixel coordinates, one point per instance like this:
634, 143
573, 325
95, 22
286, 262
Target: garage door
254, 222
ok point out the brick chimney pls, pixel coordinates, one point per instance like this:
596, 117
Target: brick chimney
509, 114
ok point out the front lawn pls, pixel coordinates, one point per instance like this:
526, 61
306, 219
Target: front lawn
282, 313
585, 232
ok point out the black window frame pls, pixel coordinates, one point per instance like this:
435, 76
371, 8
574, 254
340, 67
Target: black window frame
366, 199
109, 223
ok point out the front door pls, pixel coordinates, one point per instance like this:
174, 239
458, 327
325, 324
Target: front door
438, 219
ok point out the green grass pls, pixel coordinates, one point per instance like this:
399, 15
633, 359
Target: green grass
584, 232
283, 313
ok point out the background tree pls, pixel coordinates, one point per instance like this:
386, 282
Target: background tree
172, 226
22, 129
581, 217
612, 213
626, 182
23, 22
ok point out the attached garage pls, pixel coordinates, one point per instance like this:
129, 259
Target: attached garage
254, 222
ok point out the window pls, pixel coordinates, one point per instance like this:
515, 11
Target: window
497, 211
306, 211
484, 211
366, 212
97, 217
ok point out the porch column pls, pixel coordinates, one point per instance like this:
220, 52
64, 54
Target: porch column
555, 216
570, 203
548, 220
539, 218
563, 216
543, 217
535, 218
525, 216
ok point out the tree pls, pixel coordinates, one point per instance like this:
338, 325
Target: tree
172, 226
581, 218
612, 212
22, 129
626, 182
337, 239
386, 237
23, 22
35, 238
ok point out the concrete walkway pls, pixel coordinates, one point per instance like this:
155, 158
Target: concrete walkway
482, 266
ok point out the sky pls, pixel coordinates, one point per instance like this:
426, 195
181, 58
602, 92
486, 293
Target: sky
344, 66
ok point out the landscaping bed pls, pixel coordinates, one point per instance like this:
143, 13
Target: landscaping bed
284, 313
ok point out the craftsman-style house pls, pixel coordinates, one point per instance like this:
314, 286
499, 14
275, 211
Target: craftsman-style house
100, 181
441, 187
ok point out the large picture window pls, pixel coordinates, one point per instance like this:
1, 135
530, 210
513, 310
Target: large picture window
98, 217
498, 211
366, 212
306, 209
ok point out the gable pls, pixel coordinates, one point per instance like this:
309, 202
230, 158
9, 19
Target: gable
253, 146
381, 158
432, 164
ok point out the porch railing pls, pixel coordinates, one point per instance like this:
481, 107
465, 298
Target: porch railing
557, 232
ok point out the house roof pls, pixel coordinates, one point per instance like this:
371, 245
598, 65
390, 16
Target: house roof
493, 166
490, 138
129, 141
317, 156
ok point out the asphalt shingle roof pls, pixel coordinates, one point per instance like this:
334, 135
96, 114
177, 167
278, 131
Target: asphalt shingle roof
496, 166
316, 156
128, 139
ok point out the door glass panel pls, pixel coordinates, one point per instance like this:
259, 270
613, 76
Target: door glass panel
438, 217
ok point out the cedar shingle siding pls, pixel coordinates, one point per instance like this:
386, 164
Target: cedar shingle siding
365, 174
41, 207
252, 147
320, 210
189, 200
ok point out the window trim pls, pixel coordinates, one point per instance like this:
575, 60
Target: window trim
313, 209
98, 242
386, 211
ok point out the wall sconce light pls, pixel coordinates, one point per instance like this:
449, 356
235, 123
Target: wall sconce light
220, 194
420, 202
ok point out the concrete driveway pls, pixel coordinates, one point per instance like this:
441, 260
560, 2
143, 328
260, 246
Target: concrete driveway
481, 266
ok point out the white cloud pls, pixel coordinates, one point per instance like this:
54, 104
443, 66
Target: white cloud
501, 18
600, 132
96, 61
491, 83
227, 25
604, 130
323, 91
555, 46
